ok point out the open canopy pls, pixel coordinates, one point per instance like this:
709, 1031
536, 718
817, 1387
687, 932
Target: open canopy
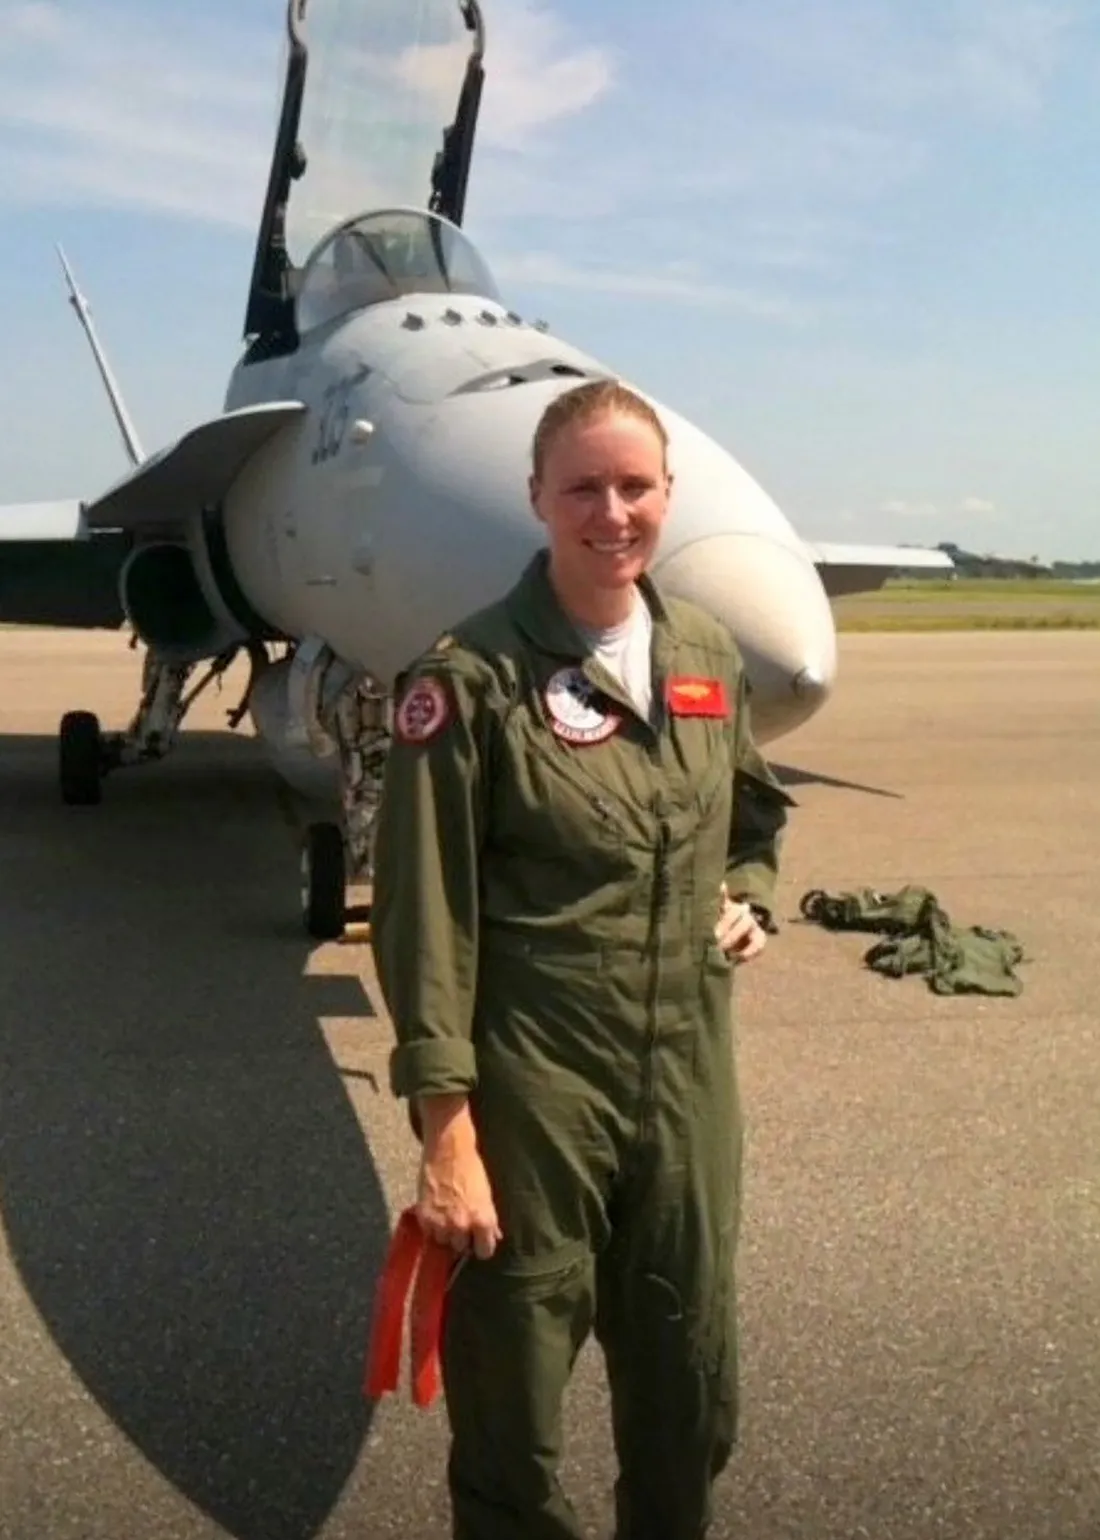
382, 88
379, 113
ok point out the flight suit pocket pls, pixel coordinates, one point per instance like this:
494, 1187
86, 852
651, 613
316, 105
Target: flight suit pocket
514, 1327
713, 807
576, 816
715, 964
716, 1095
541, 1275
552, 821
713, 773
717, 977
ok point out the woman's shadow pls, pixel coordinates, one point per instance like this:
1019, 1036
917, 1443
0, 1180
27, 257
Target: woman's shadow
188, 1197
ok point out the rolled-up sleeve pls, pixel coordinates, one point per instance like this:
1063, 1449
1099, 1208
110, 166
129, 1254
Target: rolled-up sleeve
759, 816
425, 907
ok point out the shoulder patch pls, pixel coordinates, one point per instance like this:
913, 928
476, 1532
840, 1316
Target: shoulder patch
425, 710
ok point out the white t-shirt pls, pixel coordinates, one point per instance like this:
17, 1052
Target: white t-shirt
626, 652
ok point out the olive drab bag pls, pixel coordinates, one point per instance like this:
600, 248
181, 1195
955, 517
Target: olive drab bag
921, 939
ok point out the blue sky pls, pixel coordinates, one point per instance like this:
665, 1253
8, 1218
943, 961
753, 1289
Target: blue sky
857, 240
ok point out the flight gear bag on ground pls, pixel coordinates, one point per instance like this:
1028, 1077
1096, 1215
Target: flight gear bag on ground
920, 938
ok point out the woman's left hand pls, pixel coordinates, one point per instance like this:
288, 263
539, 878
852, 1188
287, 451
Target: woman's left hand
738, 932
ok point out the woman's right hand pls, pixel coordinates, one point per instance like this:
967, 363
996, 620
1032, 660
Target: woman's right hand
455, 1202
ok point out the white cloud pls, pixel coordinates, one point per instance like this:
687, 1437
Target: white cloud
535, 74
899, 508
375, 130
97, 108
35, 19
989, 56
1006, 53
787, 115
843, 116
809, 128
97, 112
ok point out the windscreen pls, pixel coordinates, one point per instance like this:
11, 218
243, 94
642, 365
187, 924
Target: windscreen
383, 84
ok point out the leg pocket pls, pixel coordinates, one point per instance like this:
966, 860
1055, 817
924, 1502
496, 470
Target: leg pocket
534, 1277
514, 1328
521, 1320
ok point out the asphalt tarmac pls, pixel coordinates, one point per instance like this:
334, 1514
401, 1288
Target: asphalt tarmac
199, 1159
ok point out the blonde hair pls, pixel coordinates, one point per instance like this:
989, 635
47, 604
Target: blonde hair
584, 404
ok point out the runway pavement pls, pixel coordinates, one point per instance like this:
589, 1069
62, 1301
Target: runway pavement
199, 1159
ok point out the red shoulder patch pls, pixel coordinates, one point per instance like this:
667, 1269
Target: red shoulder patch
689, 697
424, 712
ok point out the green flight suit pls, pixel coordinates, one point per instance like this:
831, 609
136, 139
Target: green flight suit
543, 923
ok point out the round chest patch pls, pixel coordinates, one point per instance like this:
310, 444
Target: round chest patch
574, 714
424, 711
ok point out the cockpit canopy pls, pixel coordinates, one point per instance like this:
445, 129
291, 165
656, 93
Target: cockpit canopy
380, 109
384, 256
382, 90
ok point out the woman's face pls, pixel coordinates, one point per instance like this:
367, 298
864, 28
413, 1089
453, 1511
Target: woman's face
603, 496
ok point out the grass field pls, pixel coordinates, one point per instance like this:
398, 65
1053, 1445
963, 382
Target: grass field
973, 604
968, 604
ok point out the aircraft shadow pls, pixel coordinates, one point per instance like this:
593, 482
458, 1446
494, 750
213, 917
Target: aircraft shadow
186, 1191
791, 775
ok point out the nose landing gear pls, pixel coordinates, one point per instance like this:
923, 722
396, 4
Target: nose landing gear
324, 882
87, 755
334, 857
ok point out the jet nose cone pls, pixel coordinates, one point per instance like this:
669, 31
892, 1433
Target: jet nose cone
808, 684
771, 598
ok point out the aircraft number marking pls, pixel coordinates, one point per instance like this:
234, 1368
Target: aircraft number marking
334, 416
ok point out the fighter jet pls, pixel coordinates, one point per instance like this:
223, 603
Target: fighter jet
365, 485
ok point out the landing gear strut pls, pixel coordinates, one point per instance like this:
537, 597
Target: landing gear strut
87, 754
333, 858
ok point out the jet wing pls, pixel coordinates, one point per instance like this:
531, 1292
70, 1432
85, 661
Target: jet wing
22, 522
54, 572
854, 569
194, 473
60, 562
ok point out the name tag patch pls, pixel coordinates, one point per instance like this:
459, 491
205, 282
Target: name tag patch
571, 700
690, 697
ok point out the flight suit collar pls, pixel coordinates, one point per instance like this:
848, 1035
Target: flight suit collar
537, 612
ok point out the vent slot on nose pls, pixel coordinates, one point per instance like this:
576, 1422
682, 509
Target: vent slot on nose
526, 374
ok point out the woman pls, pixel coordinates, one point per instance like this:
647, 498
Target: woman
571, 799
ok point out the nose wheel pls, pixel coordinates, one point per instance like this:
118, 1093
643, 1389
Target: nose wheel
350, 718
81, 760
324, 882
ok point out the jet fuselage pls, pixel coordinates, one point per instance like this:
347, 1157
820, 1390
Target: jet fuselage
399, 503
